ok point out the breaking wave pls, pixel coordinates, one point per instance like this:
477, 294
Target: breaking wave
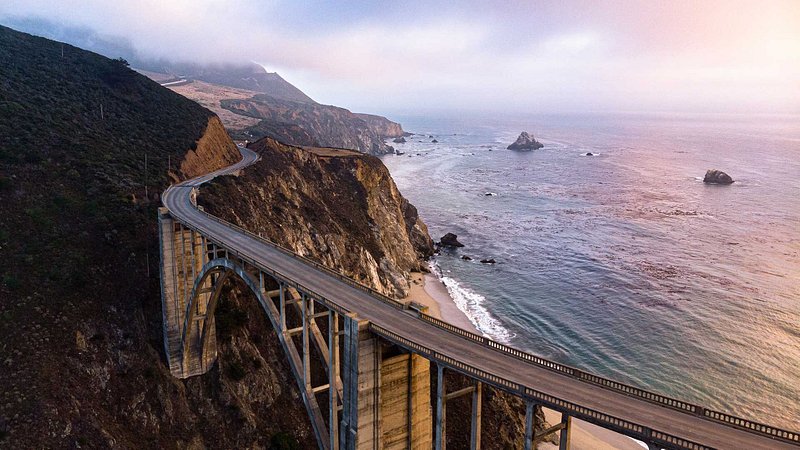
473, 305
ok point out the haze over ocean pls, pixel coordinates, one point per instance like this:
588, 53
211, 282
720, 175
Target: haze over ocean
625, 263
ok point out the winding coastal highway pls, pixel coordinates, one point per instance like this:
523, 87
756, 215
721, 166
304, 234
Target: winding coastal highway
605, 405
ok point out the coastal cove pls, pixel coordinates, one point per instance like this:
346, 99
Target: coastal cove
624, 263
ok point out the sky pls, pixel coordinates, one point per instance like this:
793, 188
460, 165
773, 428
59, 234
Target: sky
727, 56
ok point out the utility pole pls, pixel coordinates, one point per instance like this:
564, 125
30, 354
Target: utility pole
101, 111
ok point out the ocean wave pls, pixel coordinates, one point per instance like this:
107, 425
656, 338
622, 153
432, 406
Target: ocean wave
473, 305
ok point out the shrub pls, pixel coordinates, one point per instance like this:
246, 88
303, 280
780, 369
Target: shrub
11, 282
236, 371
283, 441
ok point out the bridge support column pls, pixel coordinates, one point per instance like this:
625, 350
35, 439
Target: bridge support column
181, 258
386, 399
475, 429
439, 444
565, 438
530, 413
333, 376
404, 401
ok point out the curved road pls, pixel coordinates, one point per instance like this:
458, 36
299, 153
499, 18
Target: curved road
632, 409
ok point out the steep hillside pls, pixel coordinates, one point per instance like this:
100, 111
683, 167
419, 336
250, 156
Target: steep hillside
339, 207
330, 126
81, 359
250, 77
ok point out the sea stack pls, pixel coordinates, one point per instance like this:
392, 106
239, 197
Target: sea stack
714, 176
450, 240
525, 142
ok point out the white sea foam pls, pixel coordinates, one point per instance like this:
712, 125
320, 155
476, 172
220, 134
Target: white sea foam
473, 305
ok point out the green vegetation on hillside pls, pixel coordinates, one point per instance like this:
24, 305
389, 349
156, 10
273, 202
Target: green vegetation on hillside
74, 133
76, 229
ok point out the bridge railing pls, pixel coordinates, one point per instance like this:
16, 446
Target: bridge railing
749, 425
562, 368
623, 388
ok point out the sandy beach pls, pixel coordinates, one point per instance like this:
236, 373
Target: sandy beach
428, 290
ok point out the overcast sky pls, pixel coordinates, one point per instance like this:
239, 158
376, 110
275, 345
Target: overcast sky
531, 56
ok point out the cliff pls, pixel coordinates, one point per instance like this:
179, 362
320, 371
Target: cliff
214, 149
382, 126
81, 354
329, 126
338, 207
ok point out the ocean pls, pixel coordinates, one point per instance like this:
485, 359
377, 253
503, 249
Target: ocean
625, 263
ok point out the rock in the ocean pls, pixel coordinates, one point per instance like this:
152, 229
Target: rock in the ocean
714, 176
589, 154
400, 140
525, 142
450, 240
488, 261
466, 258
435, 141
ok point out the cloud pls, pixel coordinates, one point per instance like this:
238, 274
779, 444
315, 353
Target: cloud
522, 56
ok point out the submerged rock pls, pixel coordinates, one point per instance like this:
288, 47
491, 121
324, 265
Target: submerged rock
435, 141
714, 176
450, 240
466, 258
488, 261
525, 142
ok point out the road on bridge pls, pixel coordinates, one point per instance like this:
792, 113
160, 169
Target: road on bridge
632, 409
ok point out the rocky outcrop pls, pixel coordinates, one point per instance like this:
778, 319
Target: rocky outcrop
288, 133
525, 142
399, 140
214, 150
450, 240
382, 126
714, 176
338, 207
330, 126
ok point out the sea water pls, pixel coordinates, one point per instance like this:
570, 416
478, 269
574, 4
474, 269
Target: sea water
625, 263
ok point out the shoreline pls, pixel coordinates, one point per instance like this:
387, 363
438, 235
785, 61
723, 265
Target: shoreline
428, 290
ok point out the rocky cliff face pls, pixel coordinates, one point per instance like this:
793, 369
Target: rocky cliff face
340, 208
384, 127
330, 126
213, 149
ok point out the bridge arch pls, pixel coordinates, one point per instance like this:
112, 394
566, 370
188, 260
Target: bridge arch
215, 273
198, 337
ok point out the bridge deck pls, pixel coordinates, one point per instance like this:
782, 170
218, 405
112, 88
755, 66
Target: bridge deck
564, 387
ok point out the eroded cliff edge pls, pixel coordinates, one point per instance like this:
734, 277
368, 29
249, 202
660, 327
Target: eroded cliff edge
338, 207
